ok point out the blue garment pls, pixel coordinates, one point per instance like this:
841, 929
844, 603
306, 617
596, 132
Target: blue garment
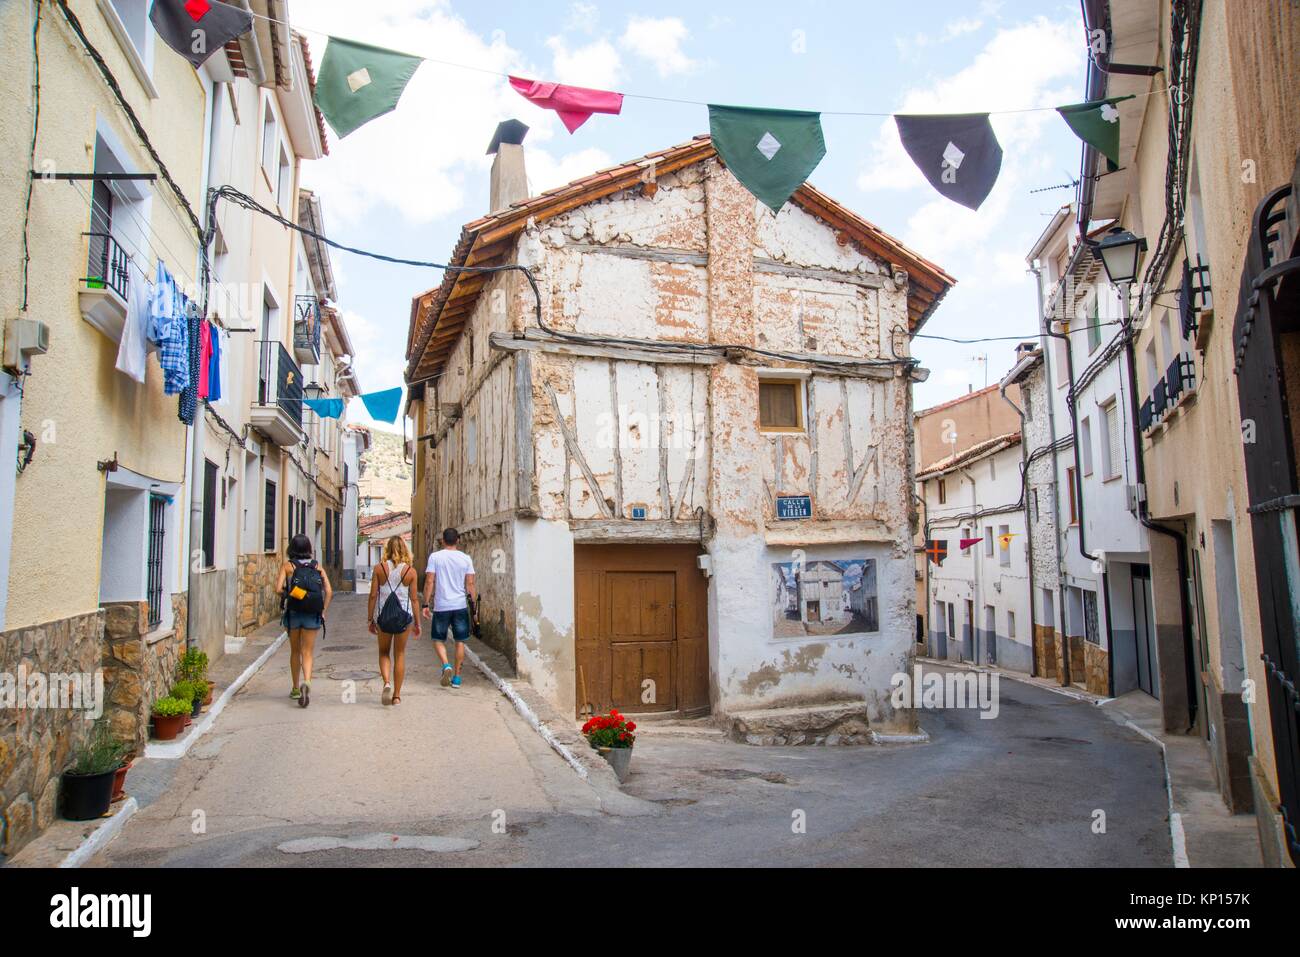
457, 620
325, 408
383, 406
169, 328
189, 400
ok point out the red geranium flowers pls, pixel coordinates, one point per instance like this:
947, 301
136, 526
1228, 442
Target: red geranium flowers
610, 730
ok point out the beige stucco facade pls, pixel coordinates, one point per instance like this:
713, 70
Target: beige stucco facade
1243, 141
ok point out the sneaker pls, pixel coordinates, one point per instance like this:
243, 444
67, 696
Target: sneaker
446, 675
455, 682
387, 696
294, 694
305, 698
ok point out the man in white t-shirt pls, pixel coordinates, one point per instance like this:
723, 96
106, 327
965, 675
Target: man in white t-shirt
448, 580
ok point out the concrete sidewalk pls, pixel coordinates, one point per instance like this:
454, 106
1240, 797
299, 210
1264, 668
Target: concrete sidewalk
271, 776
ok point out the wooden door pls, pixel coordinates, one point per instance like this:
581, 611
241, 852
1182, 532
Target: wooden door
642, 629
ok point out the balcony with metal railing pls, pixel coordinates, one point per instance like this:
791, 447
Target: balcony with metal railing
306, 329
106, 286
277, 407
1171, 390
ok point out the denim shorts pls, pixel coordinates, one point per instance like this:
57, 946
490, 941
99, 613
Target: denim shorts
301, 619
457, 620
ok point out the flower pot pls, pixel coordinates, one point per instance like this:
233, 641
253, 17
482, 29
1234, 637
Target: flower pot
87, 796
196, 707
187, 719
119, 781
212, 686
167, 727
620, 759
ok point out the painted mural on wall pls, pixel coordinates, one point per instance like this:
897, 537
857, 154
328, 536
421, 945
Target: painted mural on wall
824, 597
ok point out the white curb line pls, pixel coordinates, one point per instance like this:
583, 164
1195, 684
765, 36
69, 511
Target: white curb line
527, 713
101, 835
170, 750
1177, 836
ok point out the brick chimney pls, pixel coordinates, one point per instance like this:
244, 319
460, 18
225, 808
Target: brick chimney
509, 180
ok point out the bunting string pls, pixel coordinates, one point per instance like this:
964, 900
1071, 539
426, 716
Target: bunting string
772, 152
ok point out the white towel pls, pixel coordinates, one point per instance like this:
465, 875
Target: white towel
132, 350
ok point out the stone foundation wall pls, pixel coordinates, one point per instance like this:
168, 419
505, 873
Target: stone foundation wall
37, 744
1045, 651
258, 602
1096, 668
1078, 663
139, 667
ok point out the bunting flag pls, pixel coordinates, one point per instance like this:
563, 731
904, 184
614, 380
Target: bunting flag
325, 408
383, 406
196, 29
968, 542
1005, 540
1097, 124
771, 152
359, 82
937, 549
958, 153
574, 104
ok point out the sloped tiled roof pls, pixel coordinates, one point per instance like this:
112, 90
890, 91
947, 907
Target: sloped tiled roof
972, 454
438, 314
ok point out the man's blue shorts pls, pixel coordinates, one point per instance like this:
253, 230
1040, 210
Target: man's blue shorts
457, 620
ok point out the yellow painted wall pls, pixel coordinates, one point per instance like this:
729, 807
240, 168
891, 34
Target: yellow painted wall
79, 407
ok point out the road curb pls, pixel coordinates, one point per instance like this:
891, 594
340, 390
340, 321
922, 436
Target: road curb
1177, 836
100, 836
171, 750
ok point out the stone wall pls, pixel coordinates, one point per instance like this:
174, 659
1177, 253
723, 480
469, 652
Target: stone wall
258, 602
37, 744
1045, 651
139, 667
1096, 669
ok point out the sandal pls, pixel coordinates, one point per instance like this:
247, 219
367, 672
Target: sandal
397, 699
386, 696
305, 699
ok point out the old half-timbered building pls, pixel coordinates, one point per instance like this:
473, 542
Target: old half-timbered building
684, 470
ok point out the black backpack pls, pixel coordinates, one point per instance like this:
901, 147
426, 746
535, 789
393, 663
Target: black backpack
312, 581
393, 619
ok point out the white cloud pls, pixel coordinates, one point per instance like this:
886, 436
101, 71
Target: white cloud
595, 65
960, 26
583, 18
660, 42
546, 172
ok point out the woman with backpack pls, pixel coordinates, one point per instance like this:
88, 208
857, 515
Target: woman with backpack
393, 609
306, 595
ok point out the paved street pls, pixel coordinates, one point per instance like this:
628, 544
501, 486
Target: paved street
281, 786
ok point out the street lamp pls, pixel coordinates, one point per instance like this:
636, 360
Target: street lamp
1119, 253
313, 390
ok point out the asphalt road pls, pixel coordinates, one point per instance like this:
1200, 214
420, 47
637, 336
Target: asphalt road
456, 778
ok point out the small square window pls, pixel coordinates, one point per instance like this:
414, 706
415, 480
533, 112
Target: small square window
780, 405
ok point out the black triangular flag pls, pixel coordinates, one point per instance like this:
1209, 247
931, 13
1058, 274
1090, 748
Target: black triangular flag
957, 153
196, 29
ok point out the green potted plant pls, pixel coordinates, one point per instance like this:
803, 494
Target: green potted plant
87, 786
193, 666
612, 735
185, 691
169, 716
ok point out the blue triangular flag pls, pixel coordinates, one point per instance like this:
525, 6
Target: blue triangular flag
383, 406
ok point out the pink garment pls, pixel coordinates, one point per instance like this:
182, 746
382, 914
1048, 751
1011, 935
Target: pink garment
205, 356
575, 104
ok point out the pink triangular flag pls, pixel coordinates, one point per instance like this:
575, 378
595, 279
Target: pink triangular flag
574, 104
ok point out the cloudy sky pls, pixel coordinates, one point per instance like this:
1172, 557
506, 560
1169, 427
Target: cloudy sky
405, 183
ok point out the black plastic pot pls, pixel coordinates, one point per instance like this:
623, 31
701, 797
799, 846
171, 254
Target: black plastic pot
196, 707
87, 796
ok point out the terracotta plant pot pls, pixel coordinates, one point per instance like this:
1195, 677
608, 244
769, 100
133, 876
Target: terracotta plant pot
212, 686
87, 796
119, 780
620, 759
188, 720
167, 727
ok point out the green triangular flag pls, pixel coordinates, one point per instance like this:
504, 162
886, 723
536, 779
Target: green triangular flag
771, 152
358, 82
1097, 124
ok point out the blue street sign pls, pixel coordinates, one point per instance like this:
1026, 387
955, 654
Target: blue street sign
638, 513
794, 506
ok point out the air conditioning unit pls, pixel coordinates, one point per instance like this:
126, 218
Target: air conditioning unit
24, 338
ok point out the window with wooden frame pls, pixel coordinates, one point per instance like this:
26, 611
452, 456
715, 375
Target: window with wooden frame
780, 405
943, 492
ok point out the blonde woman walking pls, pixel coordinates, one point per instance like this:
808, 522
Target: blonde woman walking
393, 610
